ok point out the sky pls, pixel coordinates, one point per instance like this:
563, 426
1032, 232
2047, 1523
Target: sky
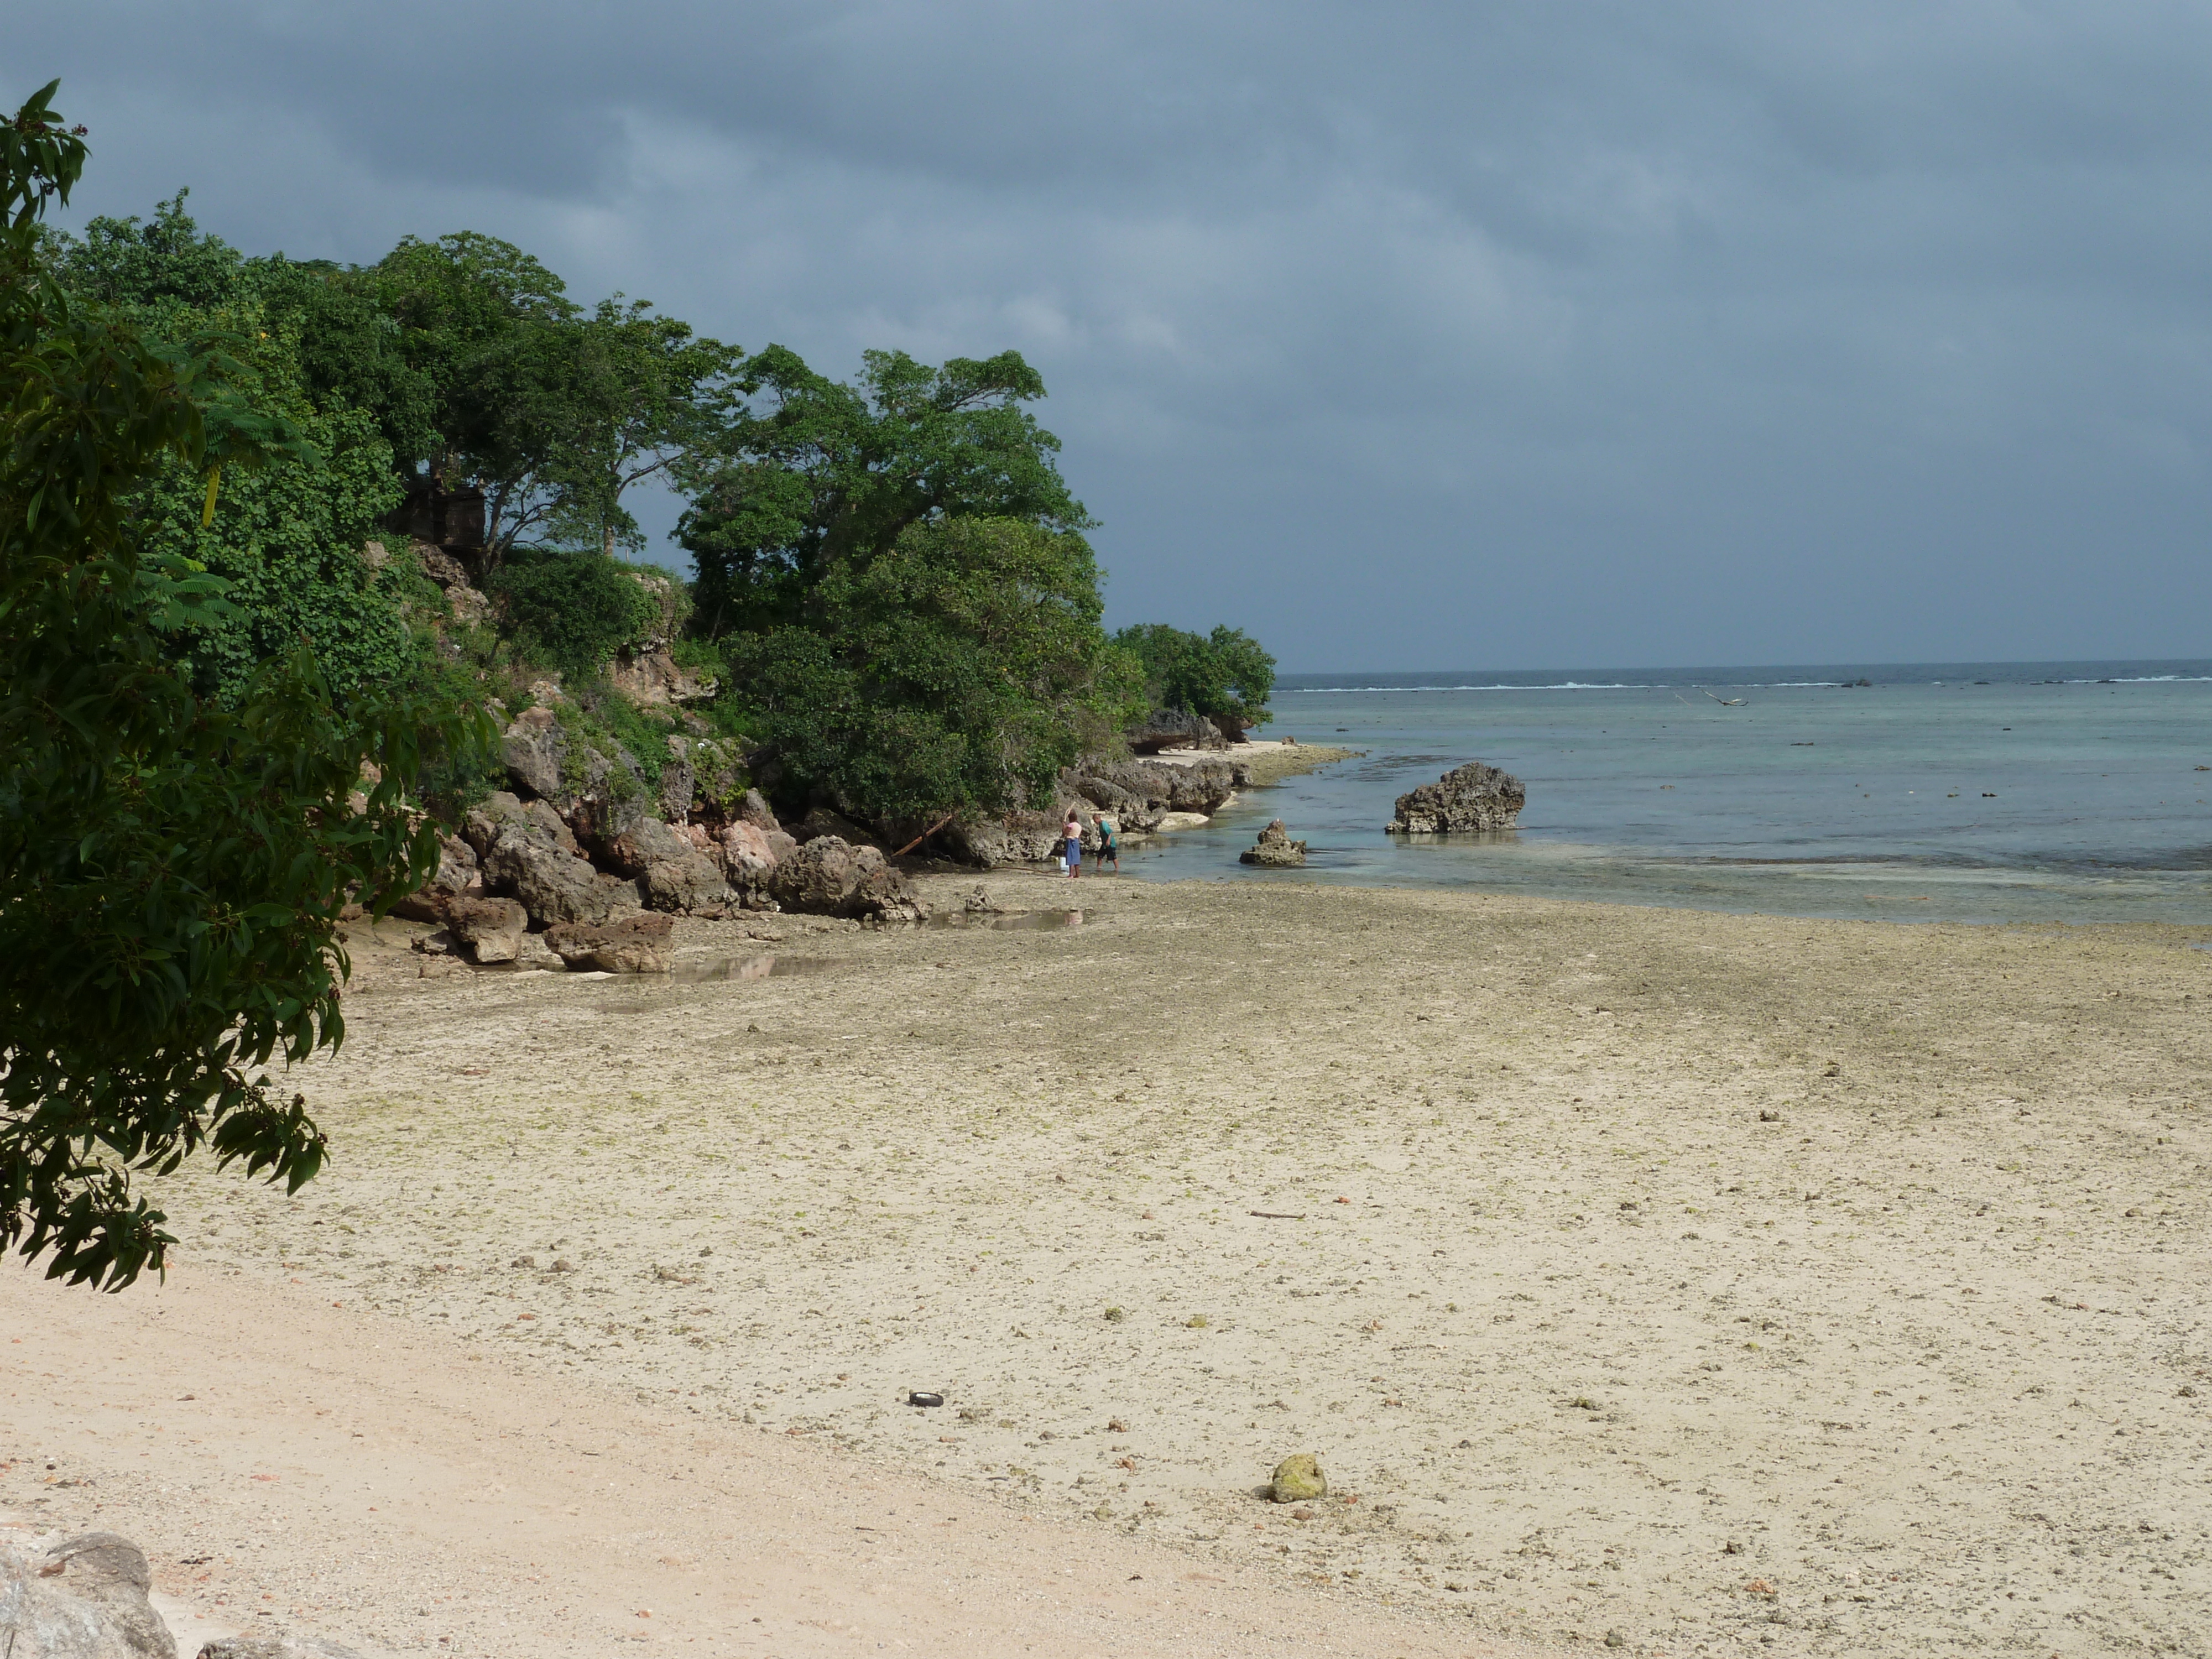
1402, 335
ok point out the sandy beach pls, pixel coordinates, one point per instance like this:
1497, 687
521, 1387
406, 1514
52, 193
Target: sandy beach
1675, 1281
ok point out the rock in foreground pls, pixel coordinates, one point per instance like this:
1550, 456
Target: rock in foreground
1298, 1479
1276, 850
84, 1599
1474, 797
636, 944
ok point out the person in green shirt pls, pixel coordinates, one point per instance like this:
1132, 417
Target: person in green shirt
1109, 844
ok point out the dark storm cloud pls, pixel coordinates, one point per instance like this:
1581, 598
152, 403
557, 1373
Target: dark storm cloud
1450, 335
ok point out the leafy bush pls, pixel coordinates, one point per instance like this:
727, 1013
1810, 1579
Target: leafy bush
573, 611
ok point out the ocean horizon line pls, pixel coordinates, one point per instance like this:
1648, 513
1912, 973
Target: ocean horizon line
2140, 670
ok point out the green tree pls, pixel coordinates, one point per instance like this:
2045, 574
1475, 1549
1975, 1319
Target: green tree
583, 408
813, 476
962, 668
172, 867
1224, 673
551, 411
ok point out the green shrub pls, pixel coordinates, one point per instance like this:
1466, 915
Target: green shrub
573, 611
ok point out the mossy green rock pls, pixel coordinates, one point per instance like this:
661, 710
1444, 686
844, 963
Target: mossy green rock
1299, 1479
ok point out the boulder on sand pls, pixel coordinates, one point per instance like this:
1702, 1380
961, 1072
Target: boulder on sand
554, 886
748, 857
635, 945
829, 877
490, 928
1474, 797
1276, 850
84, 1599
1298, 1479
458, 877
673, 873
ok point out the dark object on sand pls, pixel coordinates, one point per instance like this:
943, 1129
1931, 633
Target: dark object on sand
919, 1399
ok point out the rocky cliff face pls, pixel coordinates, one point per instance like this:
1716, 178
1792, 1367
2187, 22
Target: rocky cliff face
1473, 797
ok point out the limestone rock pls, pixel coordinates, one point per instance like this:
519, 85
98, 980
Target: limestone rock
84, 1599
1009, 838
490, 928
534, 747
719, 778
1276, 850
1171, 728
748, 858
469, 604
829, 877
678, 779
1474, 797
650, 676
1140, 790
674, 874
1299, 1480
458, 877
753, 808
556, 886
635, 945
501, 810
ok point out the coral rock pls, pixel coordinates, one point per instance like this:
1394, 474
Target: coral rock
1475, 797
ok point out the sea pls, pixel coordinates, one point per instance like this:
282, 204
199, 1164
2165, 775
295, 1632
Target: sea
2076, 792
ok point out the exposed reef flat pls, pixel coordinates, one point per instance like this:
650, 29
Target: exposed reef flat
1701, 1278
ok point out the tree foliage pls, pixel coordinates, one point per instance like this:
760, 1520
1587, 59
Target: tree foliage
573, 611
171, 864
811, 475
1226, 673
552, 411
962, 668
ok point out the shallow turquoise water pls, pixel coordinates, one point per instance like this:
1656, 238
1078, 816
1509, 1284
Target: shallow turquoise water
2046, 792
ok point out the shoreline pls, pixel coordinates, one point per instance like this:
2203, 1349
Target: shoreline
1473, 1195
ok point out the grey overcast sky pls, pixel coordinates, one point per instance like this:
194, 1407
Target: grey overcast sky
1469, 335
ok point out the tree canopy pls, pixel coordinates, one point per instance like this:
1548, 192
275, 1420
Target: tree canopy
811, 475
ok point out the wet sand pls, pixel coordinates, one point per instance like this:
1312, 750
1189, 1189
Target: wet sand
1682, 1281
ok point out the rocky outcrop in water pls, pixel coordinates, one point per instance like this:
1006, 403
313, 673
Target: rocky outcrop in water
1275, 850
1473, 797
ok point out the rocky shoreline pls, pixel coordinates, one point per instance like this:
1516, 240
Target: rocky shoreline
582, 862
